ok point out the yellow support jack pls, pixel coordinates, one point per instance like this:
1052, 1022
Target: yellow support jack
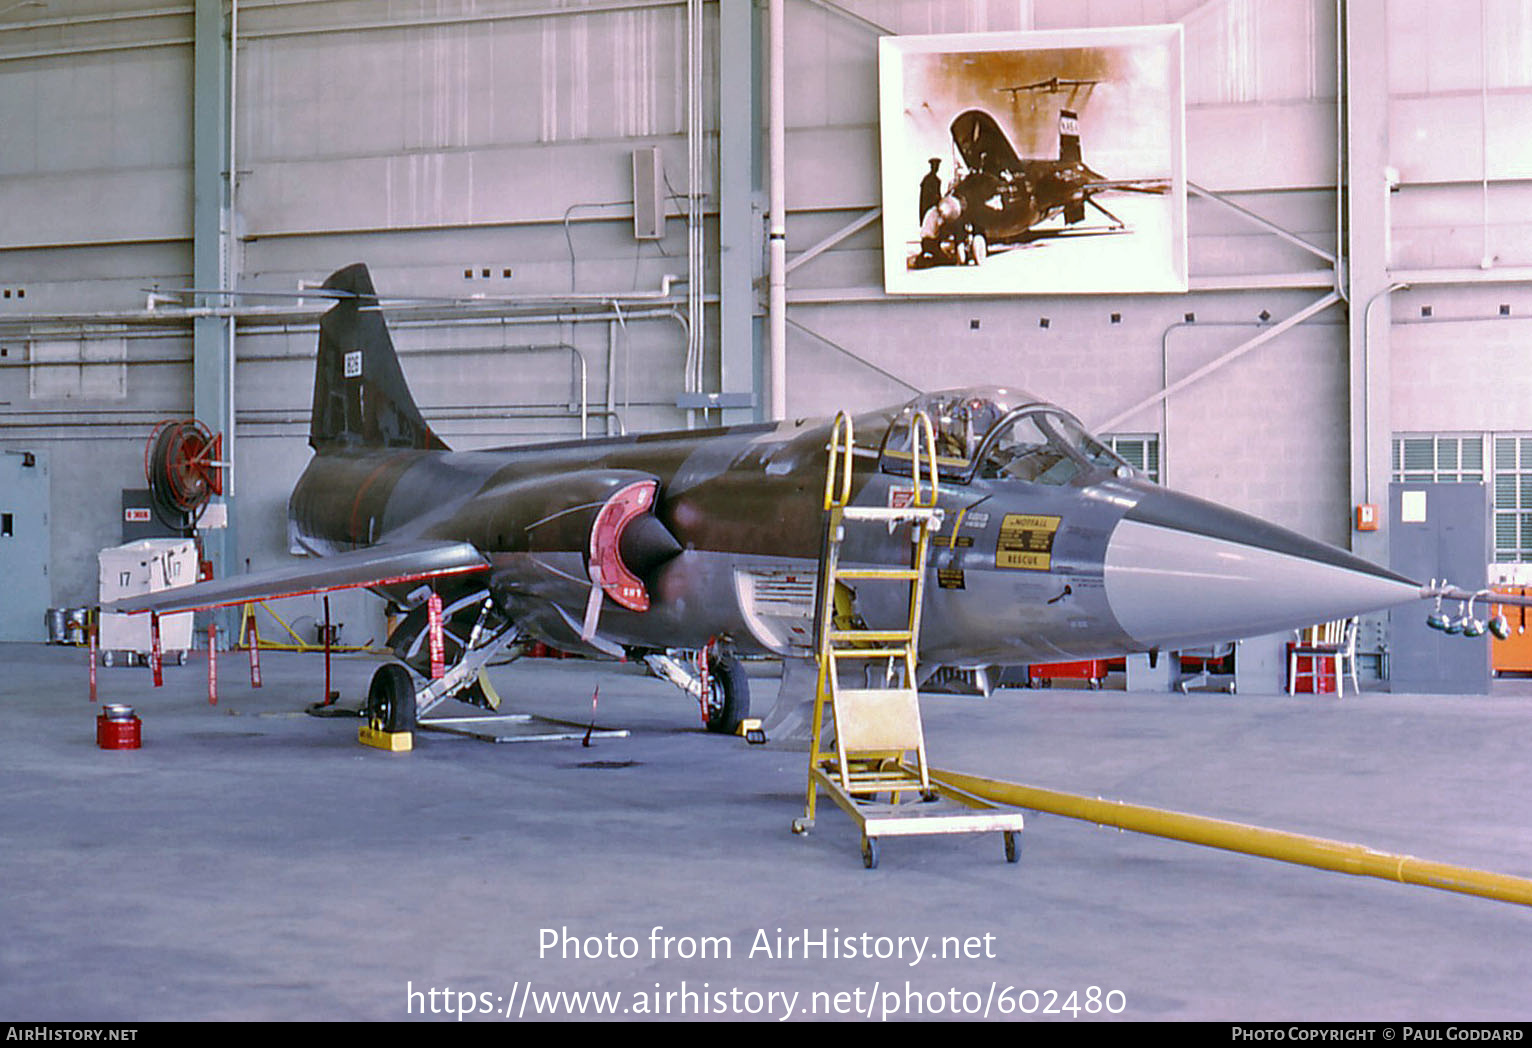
876, 728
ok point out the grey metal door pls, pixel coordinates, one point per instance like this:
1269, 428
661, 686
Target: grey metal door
24, 545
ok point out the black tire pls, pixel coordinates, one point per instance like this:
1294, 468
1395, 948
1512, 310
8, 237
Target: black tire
391, 698
729, 695
1012, 847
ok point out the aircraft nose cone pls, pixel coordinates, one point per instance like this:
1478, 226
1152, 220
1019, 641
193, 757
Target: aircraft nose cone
1181, 572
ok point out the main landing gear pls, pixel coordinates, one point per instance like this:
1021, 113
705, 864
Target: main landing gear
716, 679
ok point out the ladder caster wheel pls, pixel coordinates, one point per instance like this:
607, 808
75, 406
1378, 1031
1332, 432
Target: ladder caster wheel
870, 852
1012, 847
802, 826
929, 796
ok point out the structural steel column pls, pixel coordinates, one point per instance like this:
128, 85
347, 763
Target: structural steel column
1367, 279
776, 150
212, 363
739, 210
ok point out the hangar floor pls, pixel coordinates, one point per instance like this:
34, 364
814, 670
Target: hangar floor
253, 862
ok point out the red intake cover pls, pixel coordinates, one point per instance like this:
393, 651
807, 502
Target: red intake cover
617, 581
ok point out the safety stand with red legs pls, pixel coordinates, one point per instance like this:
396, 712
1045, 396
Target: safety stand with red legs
212, 664
254, 641
90, 633
155, 660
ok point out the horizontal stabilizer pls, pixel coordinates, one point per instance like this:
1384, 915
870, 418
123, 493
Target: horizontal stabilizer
373, 566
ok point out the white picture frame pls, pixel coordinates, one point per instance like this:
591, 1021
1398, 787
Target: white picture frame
1084, 190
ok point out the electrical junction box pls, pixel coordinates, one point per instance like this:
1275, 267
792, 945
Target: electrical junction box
648, 194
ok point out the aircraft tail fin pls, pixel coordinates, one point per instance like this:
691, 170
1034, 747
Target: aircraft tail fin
1069, 136
360, 396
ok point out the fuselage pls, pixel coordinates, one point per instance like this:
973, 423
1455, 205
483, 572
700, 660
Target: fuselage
1022, 571
1006, 206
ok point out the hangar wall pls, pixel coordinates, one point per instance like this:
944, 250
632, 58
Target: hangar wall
484, 148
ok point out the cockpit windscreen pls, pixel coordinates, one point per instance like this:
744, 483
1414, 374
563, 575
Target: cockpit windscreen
998, 433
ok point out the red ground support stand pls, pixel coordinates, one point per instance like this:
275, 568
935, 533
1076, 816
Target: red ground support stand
1092, 671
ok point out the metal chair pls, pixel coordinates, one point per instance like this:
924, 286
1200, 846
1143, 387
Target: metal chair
1333, 641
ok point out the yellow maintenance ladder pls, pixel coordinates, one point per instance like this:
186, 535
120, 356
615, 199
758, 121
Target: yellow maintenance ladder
879, 738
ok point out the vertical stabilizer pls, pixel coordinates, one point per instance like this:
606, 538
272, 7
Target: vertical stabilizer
360, 396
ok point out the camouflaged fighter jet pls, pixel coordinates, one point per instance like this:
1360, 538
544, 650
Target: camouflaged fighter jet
1053, 548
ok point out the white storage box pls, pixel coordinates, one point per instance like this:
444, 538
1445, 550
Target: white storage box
142, 567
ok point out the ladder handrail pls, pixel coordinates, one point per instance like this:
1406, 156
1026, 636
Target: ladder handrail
920, 427
922, 452
830, 475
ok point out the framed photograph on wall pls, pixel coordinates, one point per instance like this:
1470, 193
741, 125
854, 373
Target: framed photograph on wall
1034, 163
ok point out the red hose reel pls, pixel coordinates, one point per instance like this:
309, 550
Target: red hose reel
182, 463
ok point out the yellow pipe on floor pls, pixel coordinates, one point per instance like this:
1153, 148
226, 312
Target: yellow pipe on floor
1252, 840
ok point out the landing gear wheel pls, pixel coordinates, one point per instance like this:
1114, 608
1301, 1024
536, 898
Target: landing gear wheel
978, 249
391, 698
728, 700
870, 852
1012, 847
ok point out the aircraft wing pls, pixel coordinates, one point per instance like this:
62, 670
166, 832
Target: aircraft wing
372, 566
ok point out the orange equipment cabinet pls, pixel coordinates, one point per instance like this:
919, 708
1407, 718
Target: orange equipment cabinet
1514, 654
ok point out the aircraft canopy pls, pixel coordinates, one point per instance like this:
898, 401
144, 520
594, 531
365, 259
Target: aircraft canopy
994, 433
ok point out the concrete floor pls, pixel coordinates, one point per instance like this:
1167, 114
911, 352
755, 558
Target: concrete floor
254, 862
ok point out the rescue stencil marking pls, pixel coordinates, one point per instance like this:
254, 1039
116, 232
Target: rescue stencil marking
950, 578
1026, 541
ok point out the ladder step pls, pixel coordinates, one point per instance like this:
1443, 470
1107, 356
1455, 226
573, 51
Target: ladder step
893, 574
882, 778
869, 653
871, 636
